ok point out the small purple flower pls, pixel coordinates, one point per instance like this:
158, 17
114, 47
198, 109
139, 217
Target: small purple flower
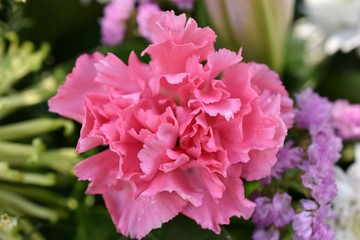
277, 211
323, 152
283, 210
322, 184
325, 147
310, 223
312, 109
264, 214
184, 4
288, 157
268, 234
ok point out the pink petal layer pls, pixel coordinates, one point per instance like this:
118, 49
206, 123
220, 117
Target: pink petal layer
137, 217
69, 100
212, 213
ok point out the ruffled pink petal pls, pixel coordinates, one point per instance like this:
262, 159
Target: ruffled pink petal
69, 100
260, 164
226, 108
101, 170
137, 217
265, 79
154, 150
176, 160
175, 40
211, 213
113, 72
90, 135
178, 181
221, 60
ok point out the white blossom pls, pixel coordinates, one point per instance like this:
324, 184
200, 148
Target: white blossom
329, 26
346, 206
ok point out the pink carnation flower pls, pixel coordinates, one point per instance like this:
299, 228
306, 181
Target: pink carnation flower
182, 131
113, 24
346, 118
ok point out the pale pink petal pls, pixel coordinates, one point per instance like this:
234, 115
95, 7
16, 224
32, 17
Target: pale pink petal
221, 60
212, 213
176, 159
137, 217
90, 135
260, 164
69, 100
265, 79
174, 40
178, 181
154, 149
113, 72
226, 108
101, 170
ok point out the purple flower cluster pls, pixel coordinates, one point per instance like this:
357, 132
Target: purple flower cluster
271, 214
324, 150
313, 110
314, 114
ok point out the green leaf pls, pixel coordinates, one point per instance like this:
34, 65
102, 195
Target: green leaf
95, 224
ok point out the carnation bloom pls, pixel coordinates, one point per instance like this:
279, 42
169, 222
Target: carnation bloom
181, 136
113, 24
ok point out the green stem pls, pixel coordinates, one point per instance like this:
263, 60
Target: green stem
28, 152
29, 97
11, 175
41, 195
30, 231
15, 149
24, 206
34, 127
60, 160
